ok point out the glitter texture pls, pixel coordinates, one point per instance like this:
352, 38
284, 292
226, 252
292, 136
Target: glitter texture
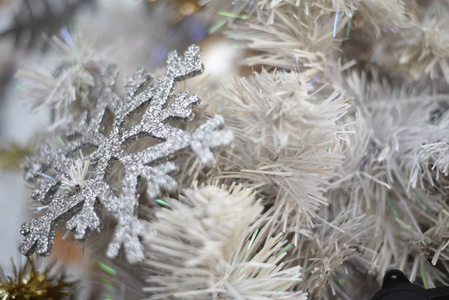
156, 101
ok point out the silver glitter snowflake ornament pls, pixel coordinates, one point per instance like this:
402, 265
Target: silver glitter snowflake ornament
71, 188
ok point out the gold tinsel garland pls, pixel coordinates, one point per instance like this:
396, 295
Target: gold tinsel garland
29, 283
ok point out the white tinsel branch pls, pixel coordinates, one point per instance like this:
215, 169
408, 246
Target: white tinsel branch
218, 255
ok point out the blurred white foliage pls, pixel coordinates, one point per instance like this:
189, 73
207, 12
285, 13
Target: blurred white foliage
397, 131
302, 35
69, 85
423, 45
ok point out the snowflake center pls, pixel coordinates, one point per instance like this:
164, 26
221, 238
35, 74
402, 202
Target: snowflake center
78, 175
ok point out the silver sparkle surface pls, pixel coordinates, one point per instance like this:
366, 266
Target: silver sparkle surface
158, 102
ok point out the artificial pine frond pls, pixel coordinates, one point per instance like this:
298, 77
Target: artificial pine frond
289, 37
414, 45
288, 133
423, 46
30, 283
373, 15
326, 249
36, 17
208, 247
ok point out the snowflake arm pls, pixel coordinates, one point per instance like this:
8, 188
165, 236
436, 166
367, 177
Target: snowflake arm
157, 178
39, 233
210, 136
182, 67
181, 108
